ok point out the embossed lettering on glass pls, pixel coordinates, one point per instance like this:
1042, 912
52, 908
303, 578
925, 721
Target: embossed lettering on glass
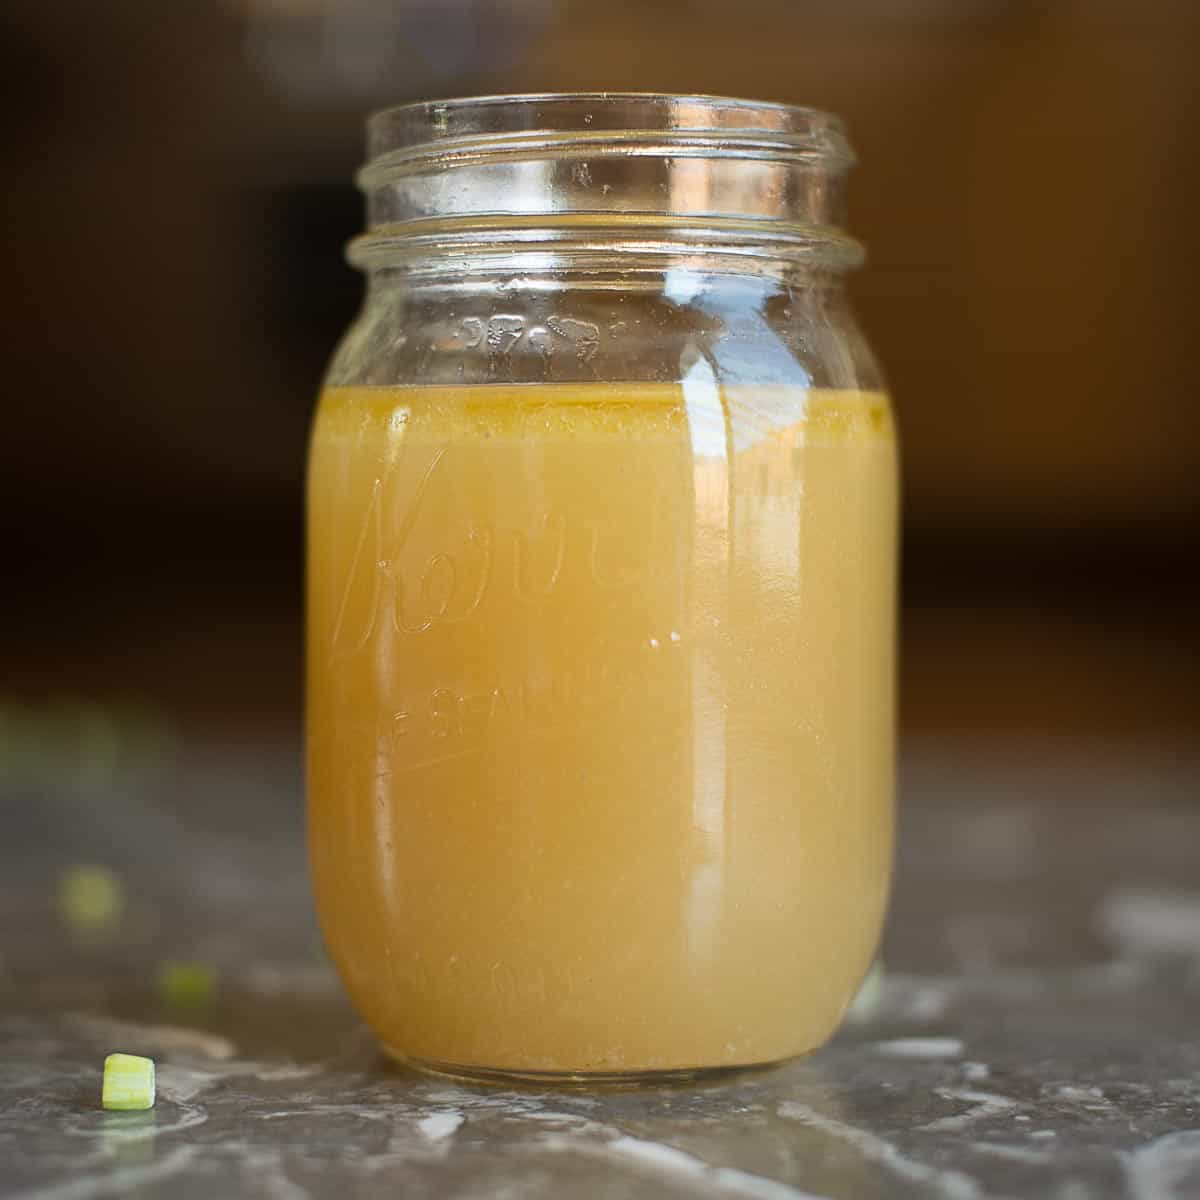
602, 508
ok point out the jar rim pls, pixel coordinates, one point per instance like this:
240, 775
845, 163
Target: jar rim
714, 99
727, 125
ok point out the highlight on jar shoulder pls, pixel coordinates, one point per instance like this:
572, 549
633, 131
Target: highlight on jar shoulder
602, 571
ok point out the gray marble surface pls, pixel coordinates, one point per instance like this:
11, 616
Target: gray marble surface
1037, 1035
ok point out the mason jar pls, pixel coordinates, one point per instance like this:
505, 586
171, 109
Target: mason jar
601, 554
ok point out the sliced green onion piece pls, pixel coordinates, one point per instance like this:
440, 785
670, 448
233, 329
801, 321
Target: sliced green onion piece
91, 898
128, 1083
186, 984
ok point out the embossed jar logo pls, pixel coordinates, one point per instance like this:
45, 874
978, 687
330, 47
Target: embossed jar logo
476, 528
515, 566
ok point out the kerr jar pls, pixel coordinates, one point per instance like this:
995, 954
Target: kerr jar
602, 529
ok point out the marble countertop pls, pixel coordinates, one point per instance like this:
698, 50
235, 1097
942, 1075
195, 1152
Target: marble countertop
1037, 1034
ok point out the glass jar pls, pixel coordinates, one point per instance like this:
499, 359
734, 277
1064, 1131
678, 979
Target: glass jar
602, 520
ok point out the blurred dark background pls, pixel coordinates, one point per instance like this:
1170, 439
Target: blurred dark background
179, 188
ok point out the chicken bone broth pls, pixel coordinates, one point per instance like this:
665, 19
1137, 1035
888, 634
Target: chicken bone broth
600, 717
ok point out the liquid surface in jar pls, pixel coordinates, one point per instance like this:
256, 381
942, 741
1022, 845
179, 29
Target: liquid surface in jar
600, 717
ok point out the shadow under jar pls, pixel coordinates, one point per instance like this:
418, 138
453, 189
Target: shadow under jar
602, 512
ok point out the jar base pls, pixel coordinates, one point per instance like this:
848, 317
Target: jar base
665, 1077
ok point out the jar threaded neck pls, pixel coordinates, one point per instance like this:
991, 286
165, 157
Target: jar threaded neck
588, 174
